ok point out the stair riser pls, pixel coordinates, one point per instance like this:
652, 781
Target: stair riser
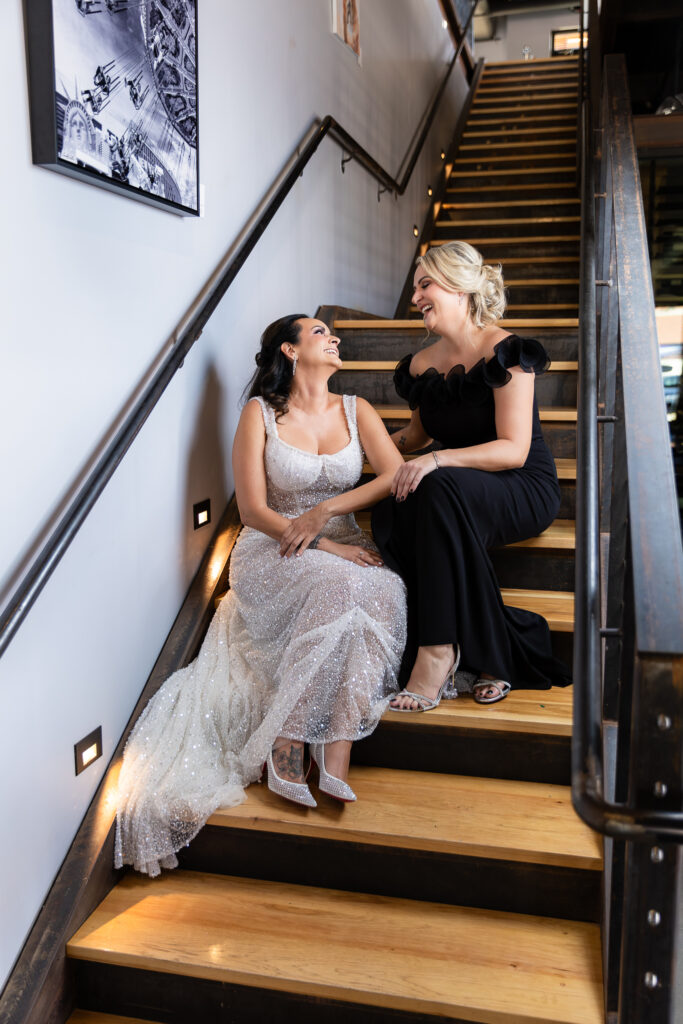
517, 191
533, 569
525, 73
561, 440
529, 165
490, 157
521, 756
509, 212
474, 181
387, 344
377, 386
515, 887
177, 999
513, 122
498, 250
543, 229
502, 136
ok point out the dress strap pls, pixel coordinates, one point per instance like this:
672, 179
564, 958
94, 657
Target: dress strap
350, 411
268, 416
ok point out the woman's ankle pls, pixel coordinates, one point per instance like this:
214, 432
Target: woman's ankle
288, 759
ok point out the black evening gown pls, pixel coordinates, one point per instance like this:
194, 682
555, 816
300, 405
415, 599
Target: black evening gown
438, 538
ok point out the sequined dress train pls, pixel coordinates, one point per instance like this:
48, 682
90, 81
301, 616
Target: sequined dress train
305, 647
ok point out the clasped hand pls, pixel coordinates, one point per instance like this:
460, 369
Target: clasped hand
408, 475
302, 530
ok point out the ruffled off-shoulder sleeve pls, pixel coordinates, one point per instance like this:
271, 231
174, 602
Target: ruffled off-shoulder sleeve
403, 382
514, 351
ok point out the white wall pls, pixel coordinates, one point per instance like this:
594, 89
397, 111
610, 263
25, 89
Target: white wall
91, 286
514, 32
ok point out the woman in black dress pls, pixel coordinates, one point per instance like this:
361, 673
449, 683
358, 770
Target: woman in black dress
492, 482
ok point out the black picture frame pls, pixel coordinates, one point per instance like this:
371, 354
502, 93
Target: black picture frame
113, 89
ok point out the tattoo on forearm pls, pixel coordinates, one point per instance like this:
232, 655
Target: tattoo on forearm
289, 762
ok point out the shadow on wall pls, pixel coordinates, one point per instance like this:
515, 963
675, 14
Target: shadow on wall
206, 471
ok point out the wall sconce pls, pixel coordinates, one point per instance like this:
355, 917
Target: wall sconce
416, 230
201, 513
443, 154
430, 190
88, 749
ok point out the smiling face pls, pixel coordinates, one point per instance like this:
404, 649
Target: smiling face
440, 307
316, 348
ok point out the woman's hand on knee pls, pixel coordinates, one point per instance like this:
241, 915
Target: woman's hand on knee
355, 553
408, 475
302, 530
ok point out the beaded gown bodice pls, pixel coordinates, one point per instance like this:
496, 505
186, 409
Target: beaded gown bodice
298, 480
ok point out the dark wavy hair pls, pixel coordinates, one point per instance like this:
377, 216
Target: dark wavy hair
273, 377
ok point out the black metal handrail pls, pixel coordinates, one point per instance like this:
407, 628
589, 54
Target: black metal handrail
191, 327
657, 572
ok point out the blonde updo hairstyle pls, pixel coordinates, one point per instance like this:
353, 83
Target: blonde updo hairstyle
459, 267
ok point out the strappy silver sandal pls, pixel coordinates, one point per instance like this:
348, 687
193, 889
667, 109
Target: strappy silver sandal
426, 703
501, 685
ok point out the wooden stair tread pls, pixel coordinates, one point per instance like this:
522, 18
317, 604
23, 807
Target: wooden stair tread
95, 1017
535, 712
389, 365
400, 325
556, 606
528, 822
481, 965
483, 157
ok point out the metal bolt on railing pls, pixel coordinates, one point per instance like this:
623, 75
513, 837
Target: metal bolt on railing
663, 722
660, 789
651, 979
656, 855
654, 918
607, 283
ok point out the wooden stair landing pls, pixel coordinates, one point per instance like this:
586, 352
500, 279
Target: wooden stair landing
405, 955
500, 819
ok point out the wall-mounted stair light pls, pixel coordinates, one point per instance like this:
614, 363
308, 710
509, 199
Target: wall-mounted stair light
444, 23
88, 749
443, 154
430, 190
416, 230
201, 513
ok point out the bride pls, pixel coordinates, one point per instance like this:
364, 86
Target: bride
307, 643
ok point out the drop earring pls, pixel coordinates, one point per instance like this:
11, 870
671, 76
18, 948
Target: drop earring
294, 362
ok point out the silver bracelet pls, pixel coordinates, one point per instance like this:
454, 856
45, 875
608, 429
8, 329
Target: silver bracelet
316, 540
438, 466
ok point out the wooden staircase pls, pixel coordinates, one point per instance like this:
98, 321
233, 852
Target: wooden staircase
461, 886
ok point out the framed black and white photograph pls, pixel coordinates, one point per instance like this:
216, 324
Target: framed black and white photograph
113, 88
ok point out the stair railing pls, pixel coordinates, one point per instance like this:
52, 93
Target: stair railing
628, 639
190, 328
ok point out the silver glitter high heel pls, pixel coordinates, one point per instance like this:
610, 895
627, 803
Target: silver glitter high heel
330, 784
425, 703
298, 792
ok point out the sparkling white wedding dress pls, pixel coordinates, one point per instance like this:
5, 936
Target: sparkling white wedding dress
306, 647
